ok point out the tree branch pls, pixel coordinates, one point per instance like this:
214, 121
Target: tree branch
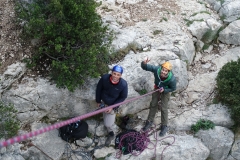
51, 57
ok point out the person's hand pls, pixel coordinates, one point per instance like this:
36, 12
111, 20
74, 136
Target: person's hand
98, 104
109, 111
161, 89
146, 60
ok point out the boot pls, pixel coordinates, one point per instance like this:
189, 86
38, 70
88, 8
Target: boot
148, 124
109, 139
164, 130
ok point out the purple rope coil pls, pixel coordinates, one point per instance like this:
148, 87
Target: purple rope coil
63, 123
140, 141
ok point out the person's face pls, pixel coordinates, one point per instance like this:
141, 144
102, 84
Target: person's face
164, 72
116, 76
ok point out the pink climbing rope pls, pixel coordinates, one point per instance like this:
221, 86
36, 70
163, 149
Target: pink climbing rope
63, 123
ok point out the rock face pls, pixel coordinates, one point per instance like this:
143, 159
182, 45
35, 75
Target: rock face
175, 31
235, 152
11, 75
218, 149
231, 34
227, 9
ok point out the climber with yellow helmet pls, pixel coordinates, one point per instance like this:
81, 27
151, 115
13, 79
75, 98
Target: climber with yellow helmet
166, 82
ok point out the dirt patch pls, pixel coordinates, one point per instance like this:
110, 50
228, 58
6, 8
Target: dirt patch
129, 14
10, 47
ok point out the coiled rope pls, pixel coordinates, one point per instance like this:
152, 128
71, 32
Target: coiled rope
63, 123
139, 141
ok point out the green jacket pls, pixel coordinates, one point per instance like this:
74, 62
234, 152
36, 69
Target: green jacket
168, 84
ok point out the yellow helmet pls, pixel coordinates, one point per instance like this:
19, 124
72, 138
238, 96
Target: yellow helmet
167, 65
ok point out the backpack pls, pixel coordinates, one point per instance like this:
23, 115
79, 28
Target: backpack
128, 141
74, 131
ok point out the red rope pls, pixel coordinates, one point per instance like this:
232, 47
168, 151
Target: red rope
63, 123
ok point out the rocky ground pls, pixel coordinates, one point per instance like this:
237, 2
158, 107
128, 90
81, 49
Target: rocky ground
12, 50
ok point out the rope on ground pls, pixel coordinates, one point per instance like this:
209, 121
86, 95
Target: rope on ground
63, 123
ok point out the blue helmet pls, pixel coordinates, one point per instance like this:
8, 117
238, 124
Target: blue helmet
118, 68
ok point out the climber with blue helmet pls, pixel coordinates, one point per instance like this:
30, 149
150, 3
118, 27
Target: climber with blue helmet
111, 89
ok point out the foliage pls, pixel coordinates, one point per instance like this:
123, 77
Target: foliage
205, 46
164, 19
215, 101
211, 35
103, 158
9, 125
228, 88
157, 32
45, 119
90, 135
221, 1
194, 14
223, 17
72, 40
143, 91
202, 124
200, 2
106, 9
189, 22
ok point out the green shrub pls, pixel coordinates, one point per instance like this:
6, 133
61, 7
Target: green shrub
200, 2
9, 126
143, 91
90, 135
205, 46
228, 88
202, 124
223, 17
157, 32
221, 1
194, 14
164, 19
72, 41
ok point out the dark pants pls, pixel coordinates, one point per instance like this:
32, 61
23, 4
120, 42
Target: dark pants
156, 97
